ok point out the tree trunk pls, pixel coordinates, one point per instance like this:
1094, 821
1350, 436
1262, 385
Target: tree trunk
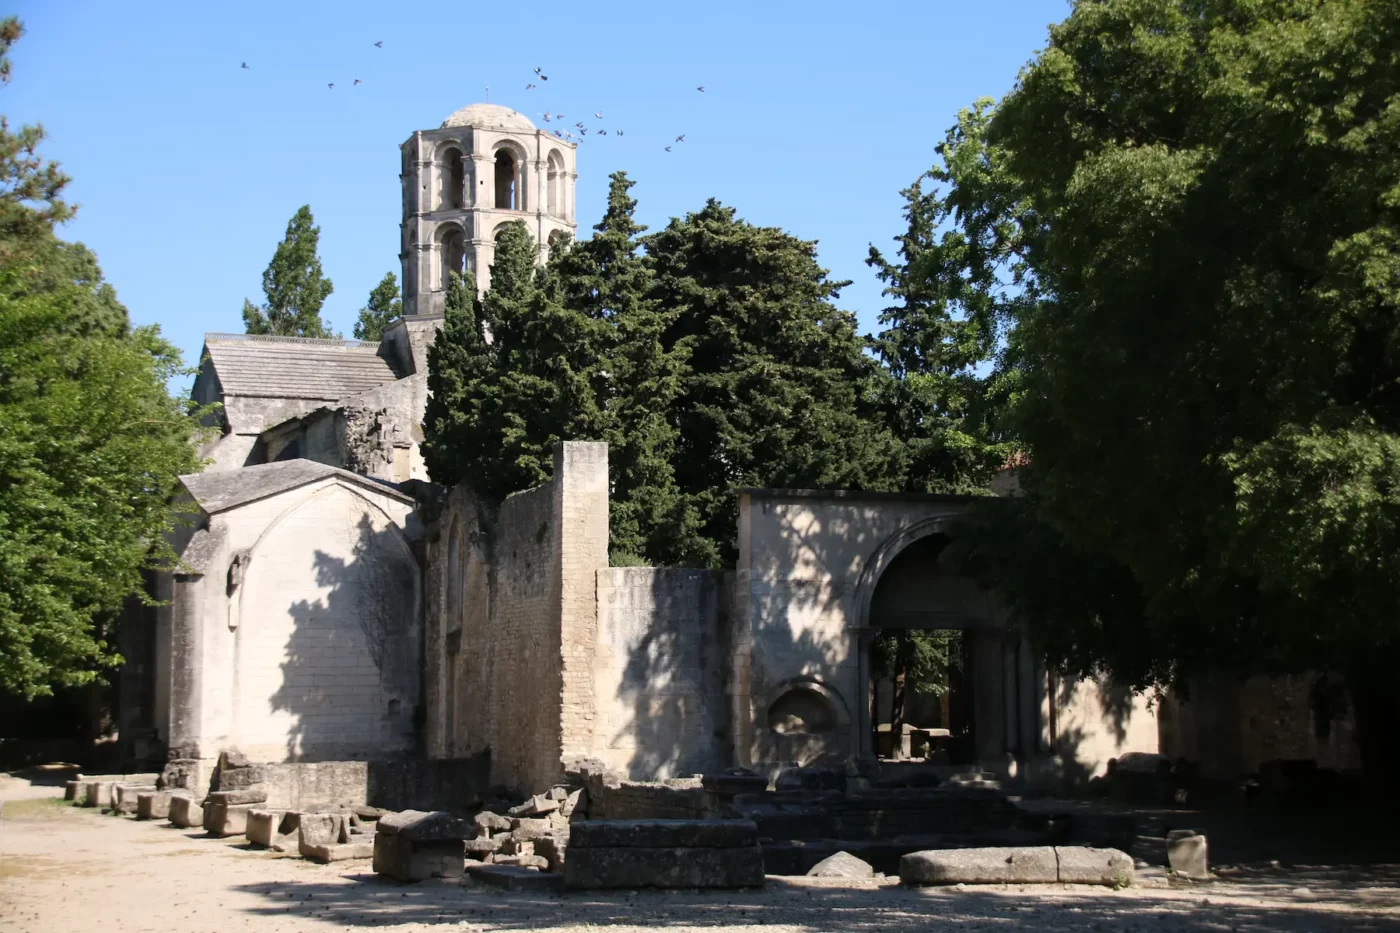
901, 682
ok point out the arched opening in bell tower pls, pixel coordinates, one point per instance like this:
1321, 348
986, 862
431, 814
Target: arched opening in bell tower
507, 187
555, 179
452, 180
452, 254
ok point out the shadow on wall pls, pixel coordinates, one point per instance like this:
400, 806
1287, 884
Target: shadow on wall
349, 685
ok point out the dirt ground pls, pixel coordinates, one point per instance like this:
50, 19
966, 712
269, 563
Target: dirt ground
64, 868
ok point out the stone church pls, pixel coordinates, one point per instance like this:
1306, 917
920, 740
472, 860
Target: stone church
331, 604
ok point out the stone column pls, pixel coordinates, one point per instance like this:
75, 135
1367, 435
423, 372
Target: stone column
187, 666
863, 743
482, 183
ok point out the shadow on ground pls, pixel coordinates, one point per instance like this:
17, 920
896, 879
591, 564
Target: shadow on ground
1344, 902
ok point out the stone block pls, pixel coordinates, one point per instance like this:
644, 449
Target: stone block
538, 805
243, 778
321, 829
481, 849
512, 878
264, 826
734, 782
663, 834
841, 865
991, 865
488, 823
404, 860
558, 793
418, 826
1084, 865
126, 796
154, 805
339, 852
97, 793
241, 796
663, 868
552, 849
537, 862
73, 790
570, 804
526, 828
186, 812
226, 819
517, 847
1187, 854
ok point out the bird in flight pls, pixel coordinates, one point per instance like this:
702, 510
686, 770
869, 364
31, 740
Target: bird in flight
599, 114
618, 132
543, 76
357, 81
602, 132
546, 116
668, 148
701, 89
245, 64
680, 138
331, 85
579, 124
379, 45
529, 87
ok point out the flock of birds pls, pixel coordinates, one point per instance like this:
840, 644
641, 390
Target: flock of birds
548, 116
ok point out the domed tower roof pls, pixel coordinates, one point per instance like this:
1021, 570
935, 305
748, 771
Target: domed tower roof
492, 115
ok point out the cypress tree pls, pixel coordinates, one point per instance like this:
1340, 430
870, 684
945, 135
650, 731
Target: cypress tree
382, 309
293, 284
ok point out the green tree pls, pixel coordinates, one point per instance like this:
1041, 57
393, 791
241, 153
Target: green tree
779, 389
30, 187
1204, 194
293, 284
458, 360
914, 661
382, 309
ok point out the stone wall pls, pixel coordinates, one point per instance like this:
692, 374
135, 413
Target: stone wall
659, 671
455, 784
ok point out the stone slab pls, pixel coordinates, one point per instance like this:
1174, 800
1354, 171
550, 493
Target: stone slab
97, 793
511, 878
125, 796
155, 805
404, 860
241, 795
663, 834
524, 828
321, 829
841, 865
1187, 854
420, 826
1085, 865
186, 812
224, 819
481, 849
553, 850
591, 868
339, 852
488, 823
991, 865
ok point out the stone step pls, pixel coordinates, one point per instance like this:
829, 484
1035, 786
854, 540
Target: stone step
798, 856
1018, 865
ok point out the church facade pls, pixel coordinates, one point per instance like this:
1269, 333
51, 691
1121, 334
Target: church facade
330, 603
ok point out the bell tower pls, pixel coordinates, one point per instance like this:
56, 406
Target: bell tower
485, 166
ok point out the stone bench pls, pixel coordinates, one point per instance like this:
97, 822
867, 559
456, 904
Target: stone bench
415, 846
663, 854
1017, 865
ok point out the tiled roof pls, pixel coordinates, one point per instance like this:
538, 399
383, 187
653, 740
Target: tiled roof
226, 489
296, 367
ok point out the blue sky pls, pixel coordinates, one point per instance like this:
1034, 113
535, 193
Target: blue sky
187, 167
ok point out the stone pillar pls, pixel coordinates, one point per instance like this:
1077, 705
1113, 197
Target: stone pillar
187, 666
862, 743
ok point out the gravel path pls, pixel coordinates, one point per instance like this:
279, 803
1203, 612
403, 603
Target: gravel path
69, 869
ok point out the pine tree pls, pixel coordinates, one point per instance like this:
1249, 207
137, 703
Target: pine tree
382, 309
780, 390
294, 285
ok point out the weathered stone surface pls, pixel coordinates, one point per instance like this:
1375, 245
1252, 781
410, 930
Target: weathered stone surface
419, 826
1083, 865
488, 823
537, 862
1187, 854
226, 819
340, 852
525, 828
242, 778
321, 829
570, 804
733, 782
514, 846
992, 865
663, 834
370, 814
552, 849
125, 796
263, 826
811, 779
155, 805
512, 878
538, 805
841, 865
186, 812
404, 860
558, 793
663, 868
240, 796
73, 790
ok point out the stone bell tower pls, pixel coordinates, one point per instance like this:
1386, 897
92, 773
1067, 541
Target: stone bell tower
484, 167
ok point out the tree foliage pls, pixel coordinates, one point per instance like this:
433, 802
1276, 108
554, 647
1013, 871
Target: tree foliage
383, 308
91, 442
1205, 196
293, 285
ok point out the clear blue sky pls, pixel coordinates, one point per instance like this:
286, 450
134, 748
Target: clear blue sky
187, 167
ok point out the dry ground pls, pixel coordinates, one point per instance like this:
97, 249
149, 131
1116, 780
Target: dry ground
63, 868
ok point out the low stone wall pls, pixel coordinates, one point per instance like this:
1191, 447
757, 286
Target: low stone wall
444, 784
